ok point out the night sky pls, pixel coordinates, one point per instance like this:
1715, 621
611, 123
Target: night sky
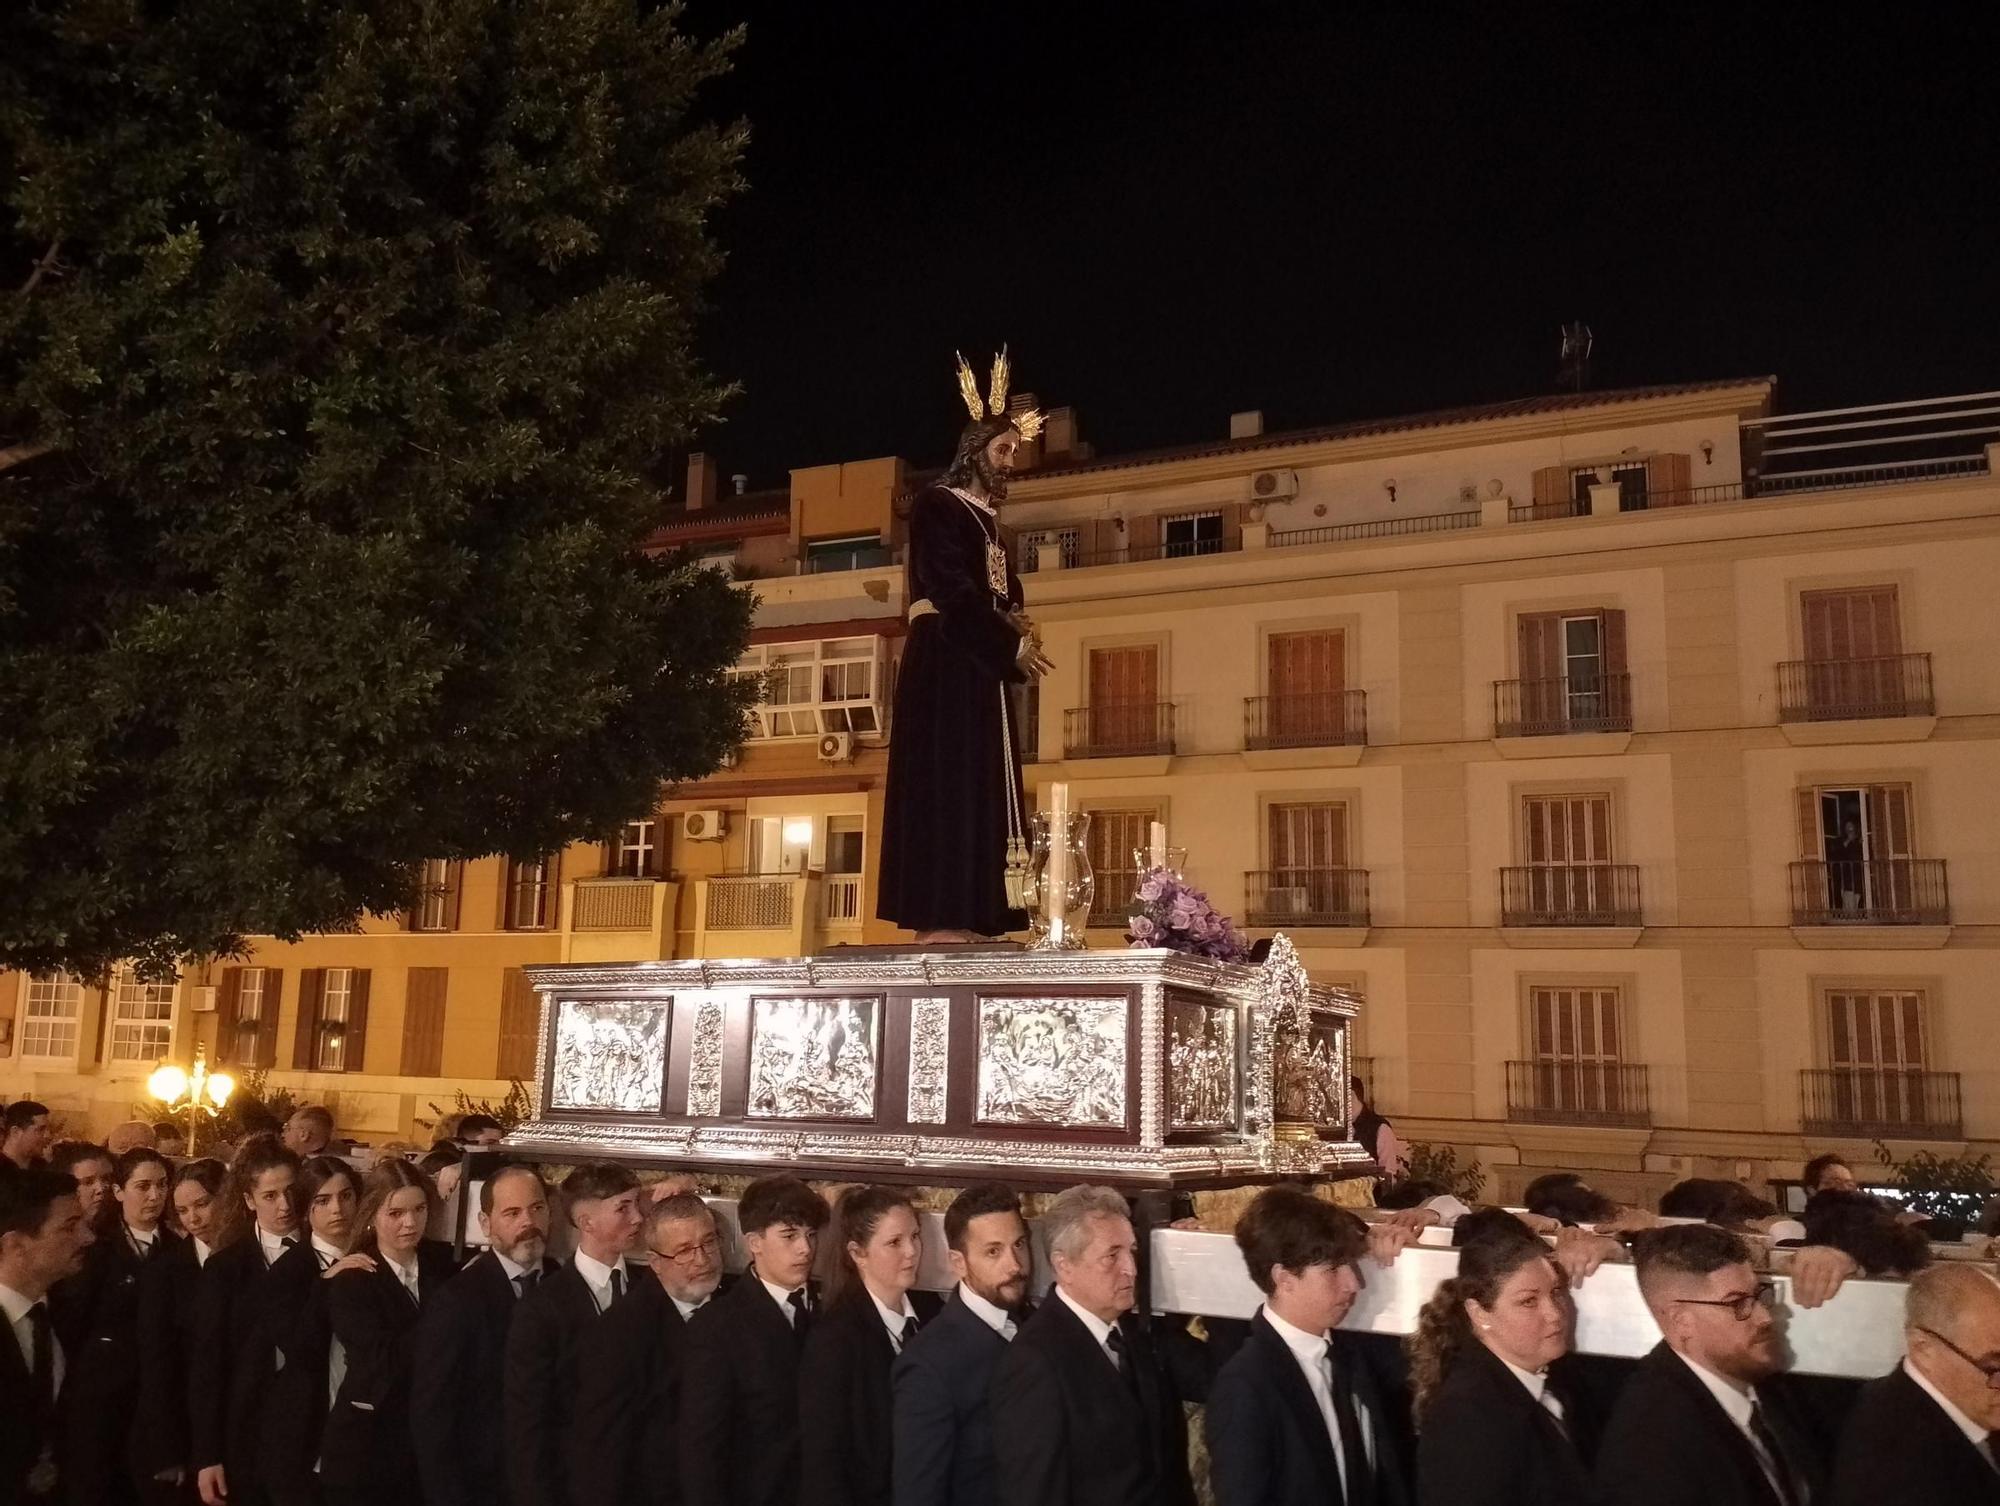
1174, 212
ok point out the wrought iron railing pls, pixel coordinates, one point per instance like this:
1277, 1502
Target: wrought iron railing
1570, 894
1118, 729
750, 904
1548, 708
1614, 1094
1324, 719
1306, 897
1833, 690
1139, 554
1376, 528
1880, 1102
612, 904
1871, 891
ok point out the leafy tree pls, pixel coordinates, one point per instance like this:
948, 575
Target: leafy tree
340, 339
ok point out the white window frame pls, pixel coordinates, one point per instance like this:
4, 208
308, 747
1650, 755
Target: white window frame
1194, 543
249, 1016
531, 876
804, 706
432, 911
45, 1019
637, 847
336, 995
140, 1032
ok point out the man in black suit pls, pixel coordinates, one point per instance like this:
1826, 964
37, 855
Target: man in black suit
624, 1444
24, 1134
1706, 1419
42, 1240
1924, 1431
1295, 1418
943, 1431
462, 1344
739, 1443
1082, 1414
539, 1387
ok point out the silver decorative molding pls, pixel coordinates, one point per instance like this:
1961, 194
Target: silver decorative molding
705, 1061
815, 1057
611, 1054
1202, 1065
930, 1059
1052, 1060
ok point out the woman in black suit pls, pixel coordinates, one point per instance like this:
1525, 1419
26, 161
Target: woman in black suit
328, 1192
1493, 1429
103, 1383
870, 1312
160, 1452
373, 1298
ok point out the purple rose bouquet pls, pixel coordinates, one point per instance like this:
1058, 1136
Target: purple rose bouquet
1170, 912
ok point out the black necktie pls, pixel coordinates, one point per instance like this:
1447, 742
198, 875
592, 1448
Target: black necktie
1986, 1450
801, 1314
909, 1331
44, 1368
1115, 1342
618, 1281
1360, 1487
1788, 1490
525, 1282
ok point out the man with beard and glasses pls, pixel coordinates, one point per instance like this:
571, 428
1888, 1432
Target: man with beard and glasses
628, 1365
462, 1344
1707, 1419
954, 833
942, 1430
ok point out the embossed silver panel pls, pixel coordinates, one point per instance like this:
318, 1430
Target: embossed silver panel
1052, 1061
1202, 1066
813, 1058
705, 1061
930, 1059
610, 1054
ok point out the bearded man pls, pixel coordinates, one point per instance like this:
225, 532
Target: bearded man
955, 830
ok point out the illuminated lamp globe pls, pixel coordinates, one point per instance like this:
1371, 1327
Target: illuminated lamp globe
168, 1082
220, 1086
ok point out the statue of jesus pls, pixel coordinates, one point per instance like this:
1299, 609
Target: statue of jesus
955, 831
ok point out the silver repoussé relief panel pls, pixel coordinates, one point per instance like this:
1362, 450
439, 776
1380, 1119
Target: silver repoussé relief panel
813, 1058
1202, 1065
1052, 1061
705, 1062
930, 1059
610, 1054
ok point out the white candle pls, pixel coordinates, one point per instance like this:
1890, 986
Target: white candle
1055, 907
1158, 844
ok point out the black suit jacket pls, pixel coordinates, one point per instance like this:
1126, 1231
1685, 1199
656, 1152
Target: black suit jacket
24, 1431
740, 1416
624, 1444
1670, 1442
943, 1432
538, 1391
102, 1385
230, 1375
1487, 1442
1069, 1431
296, 1335
367, 1443
1267, 1440
846, 1406
1899, 1445
455, 1389
169, 1318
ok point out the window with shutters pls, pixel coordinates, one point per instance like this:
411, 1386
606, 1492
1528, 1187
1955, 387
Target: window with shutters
1191, 533
249, 1014
531, 893
336, 1001
1306, 878
246, 1026
1125, 714
1878, 1076
1573, 676
1854, 664
1307, 704
1859, 862
636, 853
1117, 835
1574, 1025
1630, 479
423, 1022
1576, 1070
439, 883
142, 1018
1568, 873
49, 1017
520, 1025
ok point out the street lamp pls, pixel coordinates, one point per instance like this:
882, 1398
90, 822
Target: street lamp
196, 1093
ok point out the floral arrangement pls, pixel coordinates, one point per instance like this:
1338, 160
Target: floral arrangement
1170, 912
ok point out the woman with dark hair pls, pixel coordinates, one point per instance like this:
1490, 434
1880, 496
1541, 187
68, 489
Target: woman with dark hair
1493, 1430
871, 1311
373, 1299
295, 1331
159, 1450
1871, 1233
103, 1379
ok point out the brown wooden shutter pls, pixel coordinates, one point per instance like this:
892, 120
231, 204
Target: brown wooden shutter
1669, 481
423, 1022
1232, 525
312, 983
226, 997
1552, 486
1611, 642
265, 1048
1811, 847
1889, 830
1541, 645
520, 1024
354, 1056
1142, 535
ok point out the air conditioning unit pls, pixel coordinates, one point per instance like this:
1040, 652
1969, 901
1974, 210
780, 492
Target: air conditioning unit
702, 826
836, 747
201, 998
1273, 486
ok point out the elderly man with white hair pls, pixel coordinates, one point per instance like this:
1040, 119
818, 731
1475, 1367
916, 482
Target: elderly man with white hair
1083, 1414
1924, 1431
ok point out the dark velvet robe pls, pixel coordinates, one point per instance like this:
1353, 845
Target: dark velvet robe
954, 751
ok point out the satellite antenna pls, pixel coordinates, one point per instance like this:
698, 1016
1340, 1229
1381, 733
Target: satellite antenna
1573, 371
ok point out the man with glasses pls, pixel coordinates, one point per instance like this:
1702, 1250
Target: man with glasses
623, 1444
1924, 1431
1706, 1419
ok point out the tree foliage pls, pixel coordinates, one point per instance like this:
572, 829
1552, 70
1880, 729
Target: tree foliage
339, 340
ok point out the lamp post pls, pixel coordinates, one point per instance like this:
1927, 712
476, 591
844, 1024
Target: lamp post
194, 1093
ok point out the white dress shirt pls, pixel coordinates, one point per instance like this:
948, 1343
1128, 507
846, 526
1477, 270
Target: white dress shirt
1974, 1433
597, 1276
1312, 1351
202, 1250
893, 1320
996, 1318
782, 1295
17, 1307
142, 1240
689, 1309
1537, 1382
1738, 1404
1099, 1329
274, 1245
327, 1253
407, 1274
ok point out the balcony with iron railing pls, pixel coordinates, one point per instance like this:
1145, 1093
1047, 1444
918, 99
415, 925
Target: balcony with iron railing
752, 901
1572, 894
1119, 729
1871, 892
1285, 897
1566, 704
1614, 1095
619, 919
1880, 1103
1324, 719
1833, 690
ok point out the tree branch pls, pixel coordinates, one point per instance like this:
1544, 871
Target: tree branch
20, 454
42, 268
